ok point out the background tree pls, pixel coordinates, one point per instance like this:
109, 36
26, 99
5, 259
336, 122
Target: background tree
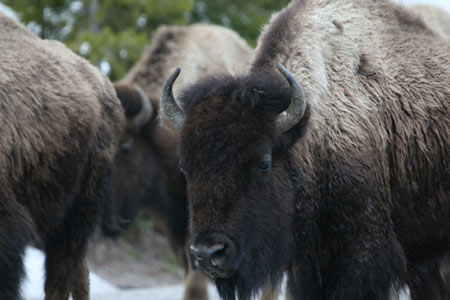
245, 17
113, 33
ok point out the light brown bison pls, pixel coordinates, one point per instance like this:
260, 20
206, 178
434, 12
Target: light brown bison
336, 171
60, 121
146, 168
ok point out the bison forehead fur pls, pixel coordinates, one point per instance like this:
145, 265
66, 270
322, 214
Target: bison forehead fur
60, 121
360, 185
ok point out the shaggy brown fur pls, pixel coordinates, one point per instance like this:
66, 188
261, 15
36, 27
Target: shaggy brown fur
147, 173
353, 201
439, 21
60, 121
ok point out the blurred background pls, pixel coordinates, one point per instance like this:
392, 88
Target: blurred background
112, 34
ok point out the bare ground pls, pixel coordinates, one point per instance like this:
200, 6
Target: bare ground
139, 258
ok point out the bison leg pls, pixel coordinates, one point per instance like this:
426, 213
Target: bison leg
80, 285
66, 248
14, 235
446, 269
270, 293
196, 283
196, 286
65, 252
64, 259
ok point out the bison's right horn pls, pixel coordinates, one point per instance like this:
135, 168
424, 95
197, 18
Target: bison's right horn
170, 108
294, 113
146, 112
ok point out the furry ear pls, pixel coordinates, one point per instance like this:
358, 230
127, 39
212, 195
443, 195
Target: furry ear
139, 109
129, 98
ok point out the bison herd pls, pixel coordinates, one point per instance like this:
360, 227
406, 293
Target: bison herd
322, 155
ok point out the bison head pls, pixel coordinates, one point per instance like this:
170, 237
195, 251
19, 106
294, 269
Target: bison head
141, 173
234, 151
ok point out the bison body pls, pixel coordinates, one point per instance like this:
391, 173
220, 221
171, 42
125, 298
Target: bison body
438, 20
146, 169
60, 121
341, 177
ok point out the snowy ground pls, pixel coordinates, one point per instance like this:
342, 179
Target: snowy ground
103, 290
33, 285
100, 289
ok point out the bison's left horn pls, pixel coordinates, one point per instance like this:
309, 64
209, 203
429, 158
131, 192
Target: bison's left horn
170, 108
146, 112
294, 113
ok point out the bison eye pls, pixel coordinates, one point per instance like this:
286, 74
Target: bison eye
125, 148
265, 165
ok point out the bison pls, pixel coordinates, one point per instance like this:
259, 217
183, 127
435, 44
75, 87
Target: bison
334, 169
146, 167
60, 122
438, 20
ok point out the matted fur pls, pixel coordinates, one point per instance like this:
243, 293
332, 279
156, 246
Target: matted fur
147, 173
359, 204
60, 121
437, 19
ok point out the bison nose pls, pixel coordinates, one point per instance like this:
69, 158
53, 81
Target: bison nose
204, 252
213, 254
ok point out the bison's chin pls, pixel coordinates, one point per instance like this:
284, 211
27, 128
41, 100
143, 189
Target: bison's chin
219, 274
246, 284
263, 267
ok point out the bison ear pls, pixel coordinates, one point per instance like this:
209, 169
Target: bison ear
136, 104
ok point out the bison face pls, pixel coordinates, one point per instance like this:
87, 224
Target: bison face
241, 196
140, 171
136, 177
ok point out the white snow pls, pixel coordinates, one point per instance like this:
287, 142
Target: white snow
33, 285
102, 290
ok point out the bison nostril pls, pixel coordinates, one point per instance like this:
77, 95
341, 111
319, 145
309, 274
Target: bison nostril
202, 252
216, 248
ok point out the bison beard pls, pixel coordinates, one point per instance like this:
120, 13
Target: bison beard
262, 262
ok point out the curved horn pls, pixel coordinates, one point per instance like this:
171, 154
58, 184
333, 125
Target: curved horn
294, 113
146, 112
169, 106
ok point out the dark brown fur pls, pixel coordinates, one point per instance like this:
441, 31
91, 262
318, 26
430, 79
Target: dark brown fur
147, 173
59, 125
356, 202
